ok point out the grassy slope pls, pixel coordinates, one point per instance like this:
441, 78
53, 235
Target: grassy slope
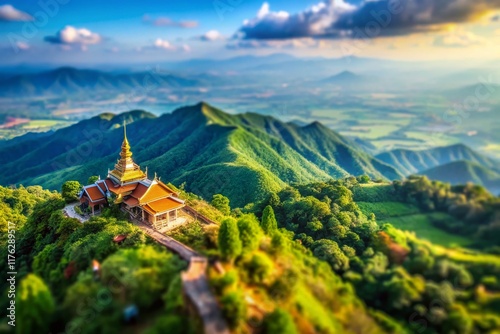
381, 200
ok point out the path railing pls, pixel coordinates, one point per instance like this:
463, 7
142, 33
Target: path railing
194, 281
198, 215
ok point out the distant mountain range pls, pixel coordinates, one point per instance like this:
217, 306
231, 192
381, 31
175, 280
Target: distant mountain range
456, 164
462, 172
411, 162
242, 156
68, 80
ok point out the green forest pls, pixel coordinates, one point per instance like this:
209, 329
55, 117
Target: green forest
309, 258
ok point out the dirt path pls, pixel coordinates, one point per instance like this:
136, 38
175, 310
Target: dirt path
69, 211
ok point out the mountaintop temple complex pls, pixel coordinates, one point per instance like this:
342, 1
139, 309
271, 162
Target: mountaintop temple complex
149, 201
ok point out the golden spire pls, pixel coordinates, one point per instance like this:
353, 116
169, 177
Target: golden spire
126, 170
125, 153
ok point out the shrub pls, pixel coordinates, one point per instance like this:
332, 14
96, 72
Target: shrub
234, 308
279, 322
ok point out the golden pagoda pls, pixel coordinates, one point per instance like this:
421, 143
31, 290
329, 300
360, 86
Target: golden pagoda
126, 170
149, 201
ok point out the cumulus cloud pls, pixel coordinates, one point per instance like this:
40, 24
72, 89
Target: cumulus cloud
166, 22
163, 44
212, 35
9, 13
70, 35
458, 38
368, 19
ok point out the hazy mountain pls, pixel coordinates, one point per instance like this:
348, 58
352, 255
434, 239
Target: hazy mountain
411, 162
68, 80
242, 156
462, 172
229, 64
345, 77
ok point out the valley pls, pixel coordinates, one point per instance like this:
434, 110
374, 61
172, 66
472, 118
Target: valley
360, 103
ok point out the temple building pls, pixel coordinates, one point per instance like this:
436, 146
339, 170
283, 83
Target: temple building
148, 201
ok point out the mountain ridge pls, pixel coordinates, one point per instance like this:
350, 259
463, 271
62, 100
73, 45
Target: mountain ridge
462, 172
244, 156
70, 80
412, 161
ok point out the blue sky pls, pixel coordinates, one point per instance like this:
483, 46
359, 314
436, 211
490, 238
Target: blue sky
112, 31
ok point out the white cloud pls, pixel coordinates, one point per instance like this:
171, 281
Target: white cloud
9, 13
163, 44
22, 46
458, 38
212, 35
70, 35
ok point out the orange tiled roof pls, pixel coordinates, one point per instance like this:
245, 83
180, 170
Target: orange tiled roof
139, 191
94, 193
163, 205
131, 201
117, 189
101, 184
156, 190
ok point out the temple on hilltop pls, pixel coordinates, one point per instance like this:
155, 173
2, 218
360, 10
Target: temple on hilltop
149, 201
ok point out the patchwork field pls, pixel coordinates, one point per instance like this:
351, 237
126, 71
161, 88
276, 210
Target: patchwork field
38, 125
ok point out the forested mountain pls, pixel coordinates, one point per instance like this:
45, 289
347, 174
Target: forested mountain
462, 172
242, 156
411, 162
68, 80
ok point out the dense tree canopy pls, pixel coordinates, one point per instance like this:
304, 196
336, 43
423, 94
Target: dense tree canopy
70, 190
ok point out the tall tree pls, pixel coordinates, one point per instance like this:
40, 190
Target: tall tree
34, 305
229, 239
221, 203
269, 223
92, 179
70, 190
250, 233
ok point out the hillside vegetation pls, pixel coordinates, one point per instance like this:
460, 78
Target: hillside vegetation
241, 156
469, 211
